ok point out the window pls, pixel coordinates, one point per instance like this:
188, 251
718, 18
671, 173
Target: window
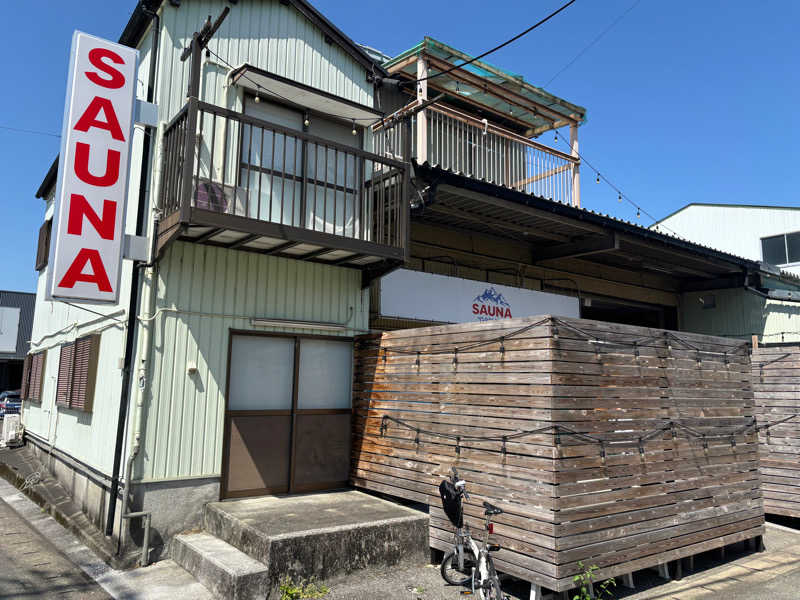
77, 372
32, 376
781, 249
43, 246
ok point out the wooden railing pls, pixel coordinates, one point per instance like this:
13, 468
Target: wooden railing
478, 149
247, 167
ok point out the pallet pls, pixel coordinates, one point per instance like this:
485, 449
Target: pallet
565, 504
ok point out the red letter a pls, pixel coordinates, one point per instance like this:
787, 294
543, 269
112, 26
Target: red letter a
82, 167
79, 207
97, 276
89, 118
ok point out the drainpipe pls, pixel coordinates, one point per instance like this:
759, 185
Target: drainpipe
142, 212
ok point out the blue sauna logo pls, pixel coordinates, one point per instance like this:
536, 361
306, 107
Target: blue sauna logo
491, 305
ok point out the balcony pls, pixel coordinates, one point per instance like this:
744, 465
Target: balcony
457, 141
257, 186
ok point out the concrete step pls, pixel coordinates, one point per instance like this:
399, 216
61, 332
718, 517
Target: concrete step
225, 571
319, 536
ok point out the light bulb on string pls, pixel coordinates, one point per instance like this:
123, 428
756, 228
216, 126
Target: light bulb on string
258, 97
306, 122
638, 214
619, 198
598, 178
354, 132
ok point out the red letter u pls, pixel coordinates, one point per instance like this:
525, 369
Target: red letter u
82, 167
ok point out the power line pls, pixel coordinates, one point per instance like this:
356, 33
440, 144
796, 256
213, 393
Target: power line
496, 48
592, 43
33, 131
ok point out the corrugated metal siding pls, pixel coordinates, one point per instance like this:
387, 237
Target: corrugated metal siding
184, 413
266, 34
734, 229
25, 302
89, 437
739, 313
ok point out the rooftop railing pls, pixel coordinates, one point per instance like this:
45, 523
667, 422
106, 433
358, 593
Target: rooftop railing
461, 143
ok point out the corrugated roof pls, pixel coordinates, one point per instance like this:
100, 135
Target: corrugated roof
25, 301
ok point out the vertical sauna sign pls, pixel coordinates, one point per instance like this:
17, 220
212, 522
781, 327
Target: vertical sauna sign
89, 217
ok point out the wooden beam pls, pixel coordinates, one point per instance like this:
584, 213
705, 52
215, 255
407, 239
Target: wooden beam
576, 166
541, 176
585, 247
460, 214
498, 91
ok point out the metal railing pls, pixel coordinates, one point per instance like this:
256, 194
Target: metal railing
478, 149
247, 167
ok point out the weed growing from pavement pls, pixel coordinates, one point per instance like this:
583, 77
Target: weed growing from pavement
584, 581
301, 590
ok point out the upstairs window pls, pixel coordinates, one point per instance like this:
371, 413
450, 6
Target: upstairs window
781, 249
77, 372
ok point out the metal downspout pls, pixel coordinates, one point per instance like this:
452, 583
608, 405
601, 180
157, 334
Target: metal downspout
142, 212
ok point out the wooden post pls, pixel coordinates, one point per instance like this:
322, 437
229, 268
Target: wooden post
755, 342
627, 581
576, 167
422, 117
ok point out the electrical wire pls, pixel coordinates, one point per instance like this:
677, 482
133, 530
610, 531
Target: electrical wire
621, 195
261, 88
33, 131
496, 48
592, 43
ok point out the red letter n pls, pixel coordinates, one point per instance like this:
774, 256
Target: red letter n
79, 207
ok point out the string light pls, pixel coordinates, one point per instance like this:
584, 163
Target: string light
354, 127
598, 178
619, 198
638, 213
258, 96
306, 122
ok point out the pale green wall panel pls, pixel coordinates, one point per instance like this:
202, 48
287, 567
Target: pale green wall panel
739, 313
183, 418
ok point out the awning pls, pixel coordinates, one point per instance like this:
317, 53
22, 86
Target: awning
271, 86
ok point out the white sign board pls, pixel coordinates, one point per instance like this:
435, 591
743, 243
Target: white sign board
89, 223
428, 297
9, 328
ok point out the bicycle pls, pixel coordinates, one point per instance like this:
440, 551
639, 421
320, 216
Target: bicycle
468, 562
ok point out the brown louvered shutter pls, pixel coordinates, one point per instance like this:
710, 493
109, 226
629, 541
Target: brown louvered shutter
26, 375
85, 372
36, 377
65, 369
43, 246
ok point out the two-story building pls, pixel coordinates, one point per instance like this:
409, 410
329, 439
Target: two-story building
290, 171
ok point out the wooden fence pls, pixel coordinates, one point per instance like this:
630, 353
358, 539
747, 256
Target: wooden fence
776, 386
611, 445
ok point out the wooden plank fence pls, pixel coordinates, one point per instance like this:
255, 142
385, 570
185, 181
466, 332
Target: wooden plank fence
616, 446
776, 386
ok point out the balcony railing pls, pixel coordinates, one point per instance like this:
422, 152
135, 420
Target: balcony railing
461, 143
244, 167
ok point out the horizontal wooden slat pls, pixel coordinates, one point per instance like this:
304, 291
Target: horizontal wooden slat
564, 501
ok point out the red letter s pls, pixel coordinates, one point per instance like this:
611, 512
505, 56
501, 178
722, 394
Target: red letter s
116, 79
474, 309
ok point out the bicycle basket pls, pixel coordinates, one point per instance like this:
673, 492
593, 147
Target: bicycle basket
451, 503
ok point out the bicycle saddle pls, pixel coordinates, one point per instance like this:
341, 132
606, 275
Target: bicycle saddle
491, 509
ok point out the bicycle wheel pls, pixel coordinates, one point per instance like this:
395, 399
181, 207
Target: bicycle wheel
450, 571
492, 590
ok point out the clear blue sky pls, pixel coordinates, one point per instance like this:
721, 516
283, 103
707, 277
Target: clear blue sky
688, 101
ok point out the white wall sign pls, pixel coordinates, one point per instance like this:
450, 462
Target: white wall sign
428, 297
9, 328
89, 226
